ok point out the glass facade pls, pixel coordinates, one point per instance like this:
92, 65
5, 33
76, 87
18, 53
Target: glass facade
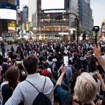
52, 23
87, 23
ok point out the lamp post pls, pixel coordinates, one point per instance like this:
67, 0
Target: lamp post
67, 13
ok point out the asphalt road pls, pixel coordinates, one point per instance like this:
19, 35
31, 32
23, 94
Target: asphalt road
8, 46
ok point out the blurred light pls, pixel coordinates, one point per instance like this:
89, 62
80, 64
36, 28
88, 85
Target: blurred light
80, 37
25, 37
40, 37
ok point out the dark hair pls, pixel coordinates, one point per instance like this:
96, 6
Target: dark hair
23, 75
76, 66
48, 75
12, 76
30, 64
50, 58
103, 101
41, 67
73, 80
5, 60
20, 67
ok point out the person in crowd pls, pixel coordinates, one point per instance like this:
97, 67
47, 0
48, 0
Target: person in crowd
47, 73
1, 73
101, 101
97, 52
85, 90
24, 90
12, 76
12, 49
73, 81
22, 72
1, 59
3, 50
5, 66
40, 69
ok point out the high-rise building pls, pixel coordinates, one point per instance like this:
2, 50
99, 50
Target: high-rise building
103, 28
57, 24
8, 17
86, 16
8, 1
51, 24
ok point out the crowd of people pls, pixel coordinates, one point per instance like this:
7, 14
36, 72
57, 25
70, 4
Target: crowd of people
35, 74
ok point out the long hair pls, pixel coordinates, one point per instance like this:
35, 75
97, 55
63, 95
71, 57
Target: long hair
12, 75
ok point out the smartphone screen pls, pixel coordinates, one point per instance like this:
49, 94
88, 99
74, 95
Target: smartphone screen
18, 62
37, 54
9, 59
65, 60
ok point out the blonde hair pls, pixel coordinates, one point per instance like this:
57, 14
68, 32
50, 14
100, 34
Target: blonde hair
85, 88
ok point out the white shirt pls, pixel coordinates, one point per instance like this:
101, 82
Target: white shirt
27, 93
103, 56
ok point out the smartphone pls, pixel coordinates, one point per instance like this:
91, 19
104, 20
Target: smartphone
94, 74
37, 54
65, 60
18, 62
9, 59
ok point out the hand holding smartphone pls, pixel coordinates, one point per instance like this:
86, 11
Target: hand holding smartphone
63, 69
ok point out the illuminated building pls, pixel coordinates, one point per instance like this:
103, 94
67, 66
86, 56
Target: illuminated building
8, 17
55, 24
86, 16
103, 28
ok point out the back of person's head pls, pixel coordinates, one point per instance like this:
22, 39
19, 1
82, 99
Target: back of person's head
47, 73
40, 69
85, 88
73, 80
30, 64
12, 75
45, 65
50, 58
40, 59
76, 67
23, 75
103, 101
20, 67
5, 60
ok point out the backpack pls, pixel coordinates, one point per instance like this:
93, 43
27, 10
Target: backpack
41, 98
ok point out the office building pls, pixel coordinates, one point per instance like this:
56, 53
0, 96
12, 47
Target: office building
8, 17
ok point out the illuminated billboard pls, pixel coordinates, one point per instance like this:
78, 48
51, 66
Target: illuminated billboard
11, 26
54, 4
8, 14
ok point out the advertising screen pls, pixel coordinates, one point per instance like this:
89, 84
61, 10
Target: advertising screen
52, 4
11, 26
9, 14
